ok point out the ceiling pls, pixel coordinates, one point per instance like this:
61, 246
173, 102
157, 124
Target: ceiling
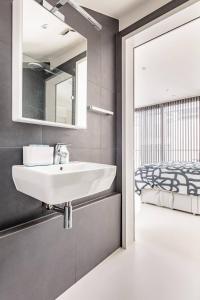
168, 68
113, 8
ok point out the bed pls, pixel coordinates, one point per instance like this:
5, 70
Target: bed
175, 185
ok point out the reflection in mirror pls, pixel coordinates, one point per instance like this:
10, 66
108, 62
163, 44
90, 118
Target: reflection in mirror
54, 69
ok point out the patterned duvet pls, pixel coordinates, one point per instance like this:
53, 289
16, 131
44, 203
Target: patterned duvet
180, 177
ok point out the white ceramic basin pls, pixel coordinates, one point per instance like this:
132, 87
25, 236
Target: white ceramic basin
57, 184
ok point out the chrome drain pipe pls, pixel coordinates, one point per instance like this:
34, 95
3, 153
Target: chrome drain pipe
68, 215
66, 211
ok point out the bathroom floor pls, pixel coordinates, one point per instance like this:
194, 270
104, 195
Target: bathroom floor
163, 263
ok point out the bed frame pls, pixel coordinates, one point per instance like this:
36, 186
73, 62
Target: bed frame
173, 200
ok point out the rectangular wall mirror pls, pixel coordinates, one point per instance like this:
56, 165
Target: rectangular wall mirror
49, 68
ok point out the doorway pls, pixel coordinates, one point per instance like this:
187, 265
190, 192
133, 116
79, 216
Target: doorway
141, 35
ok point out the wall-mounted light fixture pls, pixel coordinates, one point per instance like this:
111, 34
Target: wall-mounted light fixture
77, 7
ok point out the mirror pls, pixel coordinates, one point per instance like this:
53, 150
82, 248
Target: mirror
49, 68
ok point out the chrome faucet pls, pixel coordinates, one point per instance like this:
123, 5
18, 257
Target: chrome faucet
61, 154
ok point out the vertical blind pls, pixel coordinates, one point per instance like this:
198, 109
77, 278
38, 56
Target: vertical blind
168, 132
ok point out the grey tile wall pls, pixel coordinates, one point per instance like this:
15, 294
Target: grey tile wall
43, 260
98, 233
118, 108
34, 94
97, 143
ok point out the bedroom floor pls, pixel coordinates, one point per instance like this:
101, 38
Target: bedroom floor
163, 264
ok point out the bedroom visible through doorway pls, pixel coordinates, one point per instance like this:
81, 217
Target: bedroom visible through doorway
167, 120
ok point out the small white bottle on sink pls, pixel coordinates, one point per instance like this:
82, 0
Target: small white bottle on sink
38, 155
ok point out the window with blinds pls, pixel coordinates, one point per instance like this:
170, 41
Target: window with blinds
168, 132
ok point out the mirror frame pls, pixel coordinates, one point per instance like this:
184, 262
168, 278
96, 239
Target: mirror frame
17, 75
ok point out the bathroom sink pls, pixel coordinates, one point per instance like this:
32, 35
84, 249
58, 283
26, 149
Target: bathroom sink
56, 184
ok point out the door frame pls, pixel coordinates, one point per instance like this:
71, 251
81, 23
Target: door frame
125, 109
